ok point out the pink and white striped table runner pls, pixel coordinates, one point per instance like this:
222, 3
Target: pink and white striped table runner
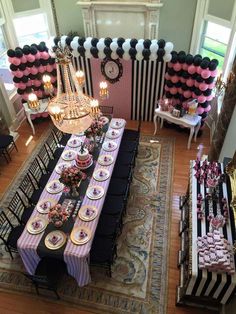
75, 256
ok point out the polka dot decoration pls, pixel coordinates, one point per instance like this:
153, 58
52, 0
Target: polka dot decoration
127, 49
28, 65
193, 77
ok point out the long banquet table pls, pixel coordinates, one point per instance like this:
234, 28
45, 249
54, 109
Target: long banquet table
75, 256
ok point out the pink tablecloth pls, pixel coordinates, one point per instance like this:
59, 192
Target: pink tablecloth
76, 256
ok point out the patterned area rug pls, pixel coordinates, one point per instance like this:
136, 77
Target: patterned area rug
139, 280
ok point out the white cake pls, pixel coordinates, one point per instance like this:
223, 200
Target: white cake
83, 159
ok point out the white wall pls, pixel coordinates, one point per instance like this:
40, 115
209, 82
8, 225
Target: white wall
229, 146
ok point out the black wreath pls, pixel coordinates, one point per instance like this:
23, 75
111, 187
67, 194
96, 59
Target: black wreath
103, 64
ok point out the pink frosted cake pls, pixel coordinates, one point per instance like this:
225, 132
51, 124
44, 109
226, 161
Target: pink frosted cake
83, 159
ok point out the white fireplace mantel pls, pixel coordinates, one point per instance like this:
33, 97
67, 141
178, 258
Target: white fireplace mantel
128, 19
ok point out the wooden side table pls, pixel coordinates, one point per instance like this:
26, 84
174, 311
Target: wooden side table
29, 112
191, 122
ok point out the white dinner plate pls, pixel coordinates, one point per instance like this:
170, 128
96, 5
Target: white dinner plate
74, 142
54, 187
105, 160
117, 123
113, 134
44, 205
69, 155
101, 174
95, 192
109, 146
36, 225
88, 212
61, 166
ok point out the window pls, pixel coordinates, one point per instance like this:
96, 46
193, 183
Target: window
214, 41
5, 74
31, 29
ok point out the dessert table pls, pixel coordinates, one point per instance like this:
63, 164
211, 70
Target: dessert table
32, 247
191, 122
207, 231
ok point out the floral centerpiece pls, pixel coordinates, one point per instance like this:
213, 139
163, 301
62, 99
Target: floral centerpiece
71, 178
95, 129
58, 215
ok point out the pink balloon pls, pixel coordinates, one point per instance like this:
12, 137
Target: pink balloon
40, 93
167, 76
53, 79
187, 93
173, 90
185, 66
38, 55
200, 110
209, 98
201, 99
167, 88
194, 95
199, 70
170, 65
203, 86
10, 60
16, 61
174, 79
19, 73
214, 73
37, 83
30, 57
54, 65
190, 82
191, 69
177, 66
22, 85
26, 72
205, 74
23, 59
212, 85
41, 69
45, 55
183, 80
34, 70
180, 91
49, 68
196, 84
208, 108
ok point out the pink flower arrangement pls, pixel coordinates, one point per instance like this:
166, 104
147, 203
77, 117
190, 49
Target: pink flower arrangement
71, 176
58, 215
94, 129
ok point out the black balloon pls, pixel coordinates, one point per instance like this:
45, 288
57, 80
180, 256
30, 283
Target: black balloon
54, 72
213, 65
169, 83
107, 51
81, 50
11, 53
206, 59
120, 52
185, 75
22, 66
147, 43
203, 115
204, 64
32, 76
189, 59
20, 91
174, 58
171, 71
24, 79
209, 80
51, 61
13, 67
37, 63
194, 75
81, 41
178, 84
19, 53
26, 50
94, 52
33, 50
94, 42
120, 41
185, 87
168, 95
207, 92
161, 43
199, 79
56, 40
16, 79
181, 58
133, 42
29, 64
182, 53
205, 104
160, 52
41, 48
68, 40
197, 91
107, 41
146, 53
197, 60
132, 52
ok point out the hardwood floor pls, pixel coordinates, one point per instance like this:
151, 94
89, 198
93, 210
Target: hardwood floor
14, 303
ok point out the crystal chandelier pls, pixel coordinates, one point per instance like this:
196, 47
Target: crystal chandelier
71, 111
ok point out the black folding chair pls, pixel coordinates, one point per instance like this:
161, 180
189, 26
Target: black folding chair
19, 209
48, 275
6, 145
30, 191
9, 234
37, 173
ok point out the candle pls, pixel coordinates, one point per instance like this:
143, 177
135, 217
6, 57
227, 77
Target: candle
103, 90
80, 77
33, 102
48, 87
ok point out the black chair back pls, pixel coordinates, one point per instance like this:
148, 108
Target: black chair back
5, 227
17, 206
27, 187
36, 171
44, 157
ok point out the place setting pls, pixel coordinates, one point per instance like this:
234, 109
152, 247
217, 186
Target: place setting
88, 212
95, 192
69, 155
62, 166
112, 134
44, 205
109, 146
36, 225
74, 142
117, 124
101, 174
54, 187
55, 240
105, 160
80, 235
